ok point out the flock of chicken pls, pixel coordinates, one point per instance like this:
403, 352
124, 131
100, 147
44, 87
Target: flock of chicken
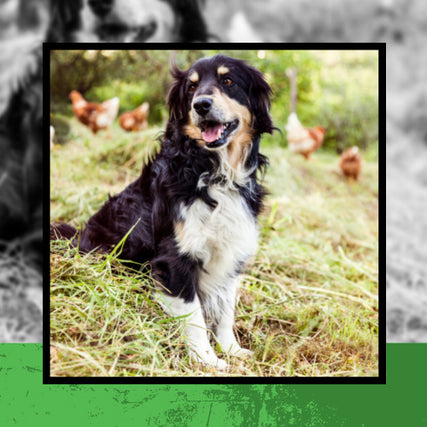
301, 140
305, 141
99, 116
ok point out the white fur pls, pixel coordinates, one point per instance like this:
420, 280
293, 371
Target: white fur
224, 329
195, 328
222, 238
134, 14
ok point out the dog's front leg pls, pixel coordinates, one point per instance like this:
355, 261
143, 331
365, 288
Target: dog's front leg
195, 328
224, 329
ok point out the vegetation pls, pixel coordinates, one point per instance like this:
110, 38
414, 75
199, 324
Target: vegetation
308, 301
336, 89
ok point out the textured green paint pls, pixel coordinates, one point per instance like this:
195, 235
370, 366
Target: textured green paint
24, 400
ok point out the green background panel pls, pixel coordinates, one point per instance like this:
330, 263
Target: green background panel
24, 400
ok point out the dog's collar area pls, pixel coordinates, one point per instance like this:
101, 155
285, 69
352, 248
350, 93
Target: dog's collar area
215, 134
219, 179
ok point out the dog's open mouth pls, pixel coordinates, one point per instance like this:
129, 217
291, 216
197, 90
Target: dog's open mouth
216, 134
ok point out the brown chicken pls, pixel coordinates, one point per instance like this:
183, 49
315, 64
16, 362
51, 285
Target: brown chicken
303, 140
136, 119
351, 163
95, 116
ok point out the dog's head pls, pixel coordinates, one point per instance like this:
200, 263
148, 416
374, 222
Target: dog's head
220, 100
127, 20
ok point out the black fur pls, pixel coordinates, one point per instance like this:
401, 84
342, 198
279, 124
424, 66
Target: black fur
150, 204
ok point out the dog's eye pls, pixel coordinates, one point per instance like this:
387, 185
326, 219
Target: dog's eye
227, 81
192, 88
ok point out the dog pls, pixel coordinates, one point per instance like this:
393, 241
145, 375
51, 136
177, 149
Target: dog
21, 130
192, 214
127, 21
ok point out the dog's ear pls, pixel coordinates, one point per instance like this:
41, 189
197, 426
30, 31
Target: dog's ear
259, 96
176, 100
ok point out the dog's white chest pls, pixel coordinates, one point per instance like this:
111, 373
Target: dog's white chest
222, 238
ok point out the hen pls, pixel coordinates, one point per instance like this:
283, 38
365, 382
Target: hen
52, 136
136, 119
95, 116
303, 140
351, 163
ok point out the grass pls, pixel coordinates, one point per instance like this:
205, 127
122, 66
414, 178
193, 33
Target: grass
20, 296
307, 305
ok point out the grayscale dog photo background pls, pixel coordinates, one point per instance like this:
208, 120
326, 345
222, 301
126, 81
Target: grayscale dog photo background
401, 23
23, 27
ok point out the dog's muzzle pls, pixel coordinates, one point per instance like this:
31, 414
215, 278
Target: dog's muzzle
111, 29
215, 130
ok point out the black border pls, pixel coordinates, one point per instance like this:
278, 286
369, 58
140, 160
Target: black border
381, 49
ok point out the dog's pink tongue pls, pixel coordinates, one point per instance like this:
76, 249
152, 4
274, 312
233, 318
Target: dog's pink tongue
213, 133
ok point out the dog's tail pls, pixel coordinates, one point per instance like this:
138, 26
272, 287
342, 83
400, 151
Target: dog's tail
62, 231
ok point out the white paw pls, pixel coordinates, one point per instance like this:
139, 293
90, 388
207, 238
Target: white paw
221, 365
209, 359
236, 350
244, 353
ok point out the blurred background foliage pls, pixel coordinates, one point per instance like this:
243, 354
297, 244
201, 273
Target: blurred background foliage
336, 89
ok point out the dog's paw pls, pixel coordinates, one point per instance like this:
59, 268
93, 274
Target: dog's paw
237, 351
244, 353
221, 365
240, 352
209, 359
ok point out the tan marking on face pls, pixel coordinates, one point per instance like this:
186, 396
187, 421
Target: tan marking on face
238, 148
222, 70
193, 131
194, 77
230, 108
227, 110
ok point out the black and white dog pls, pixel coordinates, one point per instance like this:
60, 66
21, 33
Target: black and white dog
194, 208
127, 21
23, 27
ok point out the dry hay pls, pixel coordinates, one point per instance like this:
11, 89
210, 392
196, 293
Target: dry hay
20, 298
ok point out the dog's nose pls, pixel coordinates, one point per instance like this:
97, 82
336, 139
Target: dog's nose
101, 8
202, 106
